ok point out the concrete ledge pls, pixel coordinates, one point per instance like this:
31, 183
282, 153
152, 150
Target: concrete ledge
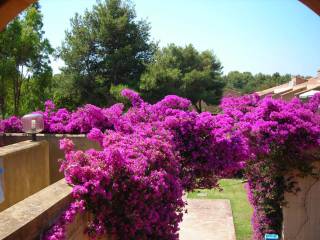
43, 135
17, 147
30, 217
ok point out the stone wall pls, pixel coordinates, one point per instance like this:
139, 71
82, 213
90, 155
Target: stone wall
301, 215
25, 170
80, 141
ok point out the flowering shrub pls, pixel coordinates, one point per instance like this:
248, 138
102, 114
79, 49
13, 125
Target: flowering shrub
133, 187
63, 121
281, 136
59, 229
238, 106
80, 121
208, 145
151, 153
314, 103
12, 124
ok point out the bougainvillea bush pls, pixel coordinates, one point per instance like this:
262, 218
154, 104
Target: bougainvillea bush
153, 152
133, 187
282, 136
12, 124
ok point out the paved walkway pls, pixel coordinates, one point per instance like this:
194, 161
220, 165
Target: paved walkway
208, 220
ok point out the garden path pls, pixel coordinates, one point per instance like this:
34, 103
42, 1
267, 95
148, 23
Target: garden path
208, 220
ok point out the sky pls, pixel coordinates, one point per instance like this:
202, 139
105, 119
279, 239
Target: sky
246, 35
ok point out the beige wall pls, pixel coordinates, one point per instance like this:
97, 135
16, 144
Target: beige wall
28, 219
288, 96
25, 170
301, 216
80, 141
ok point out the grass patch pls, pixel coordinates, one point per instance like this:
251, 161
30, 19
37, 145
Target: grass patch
233, 189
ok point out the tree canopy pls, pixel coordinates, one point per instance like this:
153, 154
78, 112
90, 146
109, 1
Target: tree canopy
186, 72
246, 82
106, 46
106, 50
25, 71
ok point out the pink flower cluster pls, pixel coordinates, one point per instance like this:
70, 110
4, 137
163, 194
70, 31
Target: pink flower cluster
281, 136
59, 229
80, 121
132, 187
12, 124
208, 145
63, 121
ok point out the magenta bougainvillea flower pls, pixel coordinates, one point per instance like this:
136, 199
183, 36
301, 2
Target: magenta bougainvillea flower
11, 125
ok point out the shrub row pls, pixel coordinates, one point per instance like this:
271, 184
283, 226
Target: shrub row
281, 137
153, 152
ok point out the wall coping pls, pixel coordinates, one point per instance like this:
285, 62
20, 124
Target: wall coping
20, 146
28, 218
43, 135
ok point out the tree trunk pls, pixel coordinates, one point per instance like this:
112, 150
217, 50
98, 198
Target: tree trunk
17, 93
3, 99
15, 96
198, 107
2, 108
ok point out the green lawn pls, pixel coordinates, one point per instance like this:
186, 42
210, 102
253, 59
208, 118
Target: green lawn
233, 190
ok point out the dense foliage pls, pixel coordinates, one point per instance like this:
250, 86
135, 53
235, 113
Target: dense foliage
133, 187
152, 152
165, 148
108, 48
82, 120
105, 47
246, 82
184, 72
282, 137
25, 72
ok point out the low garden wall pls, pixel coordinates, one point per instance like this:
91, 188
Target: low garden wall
301, 215
24, 170
80, 141
30, 218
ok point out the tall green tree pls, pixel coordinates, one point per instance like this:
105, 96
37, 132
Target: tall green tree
25, 56
7, 65
63, 93
185, 72
107, 46
6, 71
